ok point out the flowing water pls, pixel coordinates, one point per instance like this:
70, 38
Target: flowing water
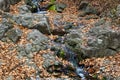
72, 57
39, 8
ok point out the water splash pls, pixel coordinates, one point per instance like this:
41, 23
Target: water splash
39, 9
79, 69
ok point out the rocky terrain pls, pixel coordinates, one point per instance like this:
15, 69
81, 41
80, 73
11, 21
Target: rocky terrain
59, 40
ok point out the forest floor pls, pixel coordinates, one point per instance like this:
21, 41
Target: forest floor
110, 65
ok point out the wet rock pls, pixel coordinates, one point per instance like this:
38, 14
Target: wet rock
23, 9
60, 7
3, 29
51, 64
100, 22
36, 36
118, 11
14, 1
68, 26
58, 17
87, 9
5, 4
38, 42
90, 10
14, 34
33, 21
83, 5
10, 78
100, 41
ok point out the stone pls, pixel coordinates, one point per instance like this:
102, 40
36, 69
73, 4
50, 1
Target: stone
118, 11
83, 5
3, 29
5, 4
14, 1
50, 61
90, 10
39, 41
36, 36
28, 48
14, 34
60, 7
100, 41
100, 22
33, 21
24, 9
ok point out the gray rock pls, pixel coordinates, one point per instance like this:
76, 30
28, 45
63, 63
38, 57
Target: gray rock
49, 61
14, 34
23, 9
118, 11
33, 21
14, 1
60, 7
3, 29
28, 48
100, 41
5, 4
90, 10
100, 22
36, 36
83, 5
9, 78
39, 41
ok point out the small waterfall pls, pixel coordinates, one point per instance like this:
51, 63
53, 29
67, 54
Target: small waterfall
36, 3
73, 59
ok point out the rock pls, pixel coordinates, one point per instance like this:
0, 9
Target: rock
9, 77
14, 34
33, 21
3, 29
118, 11
14, 1
83, 5
100, 41
58, 16
36, 36
52, 65
100, 22
5, 4
39, 41
90, 10
28, 48
60, 7
23, 9
68, 26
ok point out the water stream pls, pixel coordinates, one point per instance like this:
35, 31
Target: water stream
79, 69
39, 8
72, 57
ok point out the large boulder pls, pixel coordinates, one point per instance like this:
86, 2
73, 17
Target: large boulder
98, 42
38, 42
5, 25
33, 21
5, 4
14, 34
